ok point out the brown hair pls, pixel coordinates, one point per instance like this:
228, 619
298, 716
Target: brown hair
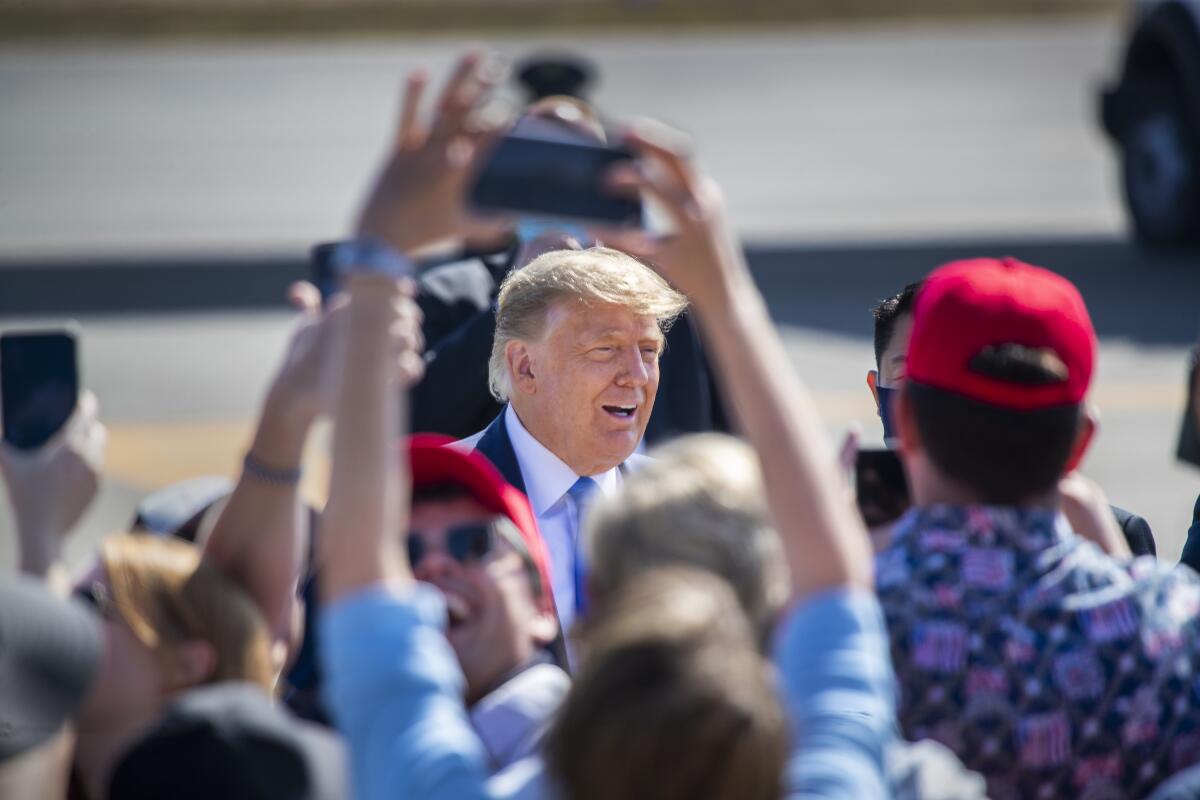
673, 699
168, 593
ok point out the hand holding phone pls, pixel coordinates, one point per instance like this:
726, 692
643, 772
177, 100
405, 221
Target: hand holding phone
881, 487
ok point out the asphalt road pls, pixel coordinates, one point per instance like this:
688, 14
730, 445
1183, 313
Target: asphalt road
853, 161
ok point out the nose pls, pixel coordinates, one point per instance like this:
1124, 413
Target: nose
434, 564
634, 369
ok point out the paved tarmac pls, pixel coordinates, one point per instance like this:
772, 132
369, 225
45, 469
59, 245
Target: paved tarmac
151, 190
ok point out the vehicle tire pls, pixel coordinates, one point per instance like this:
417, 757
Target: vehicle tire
1160, 153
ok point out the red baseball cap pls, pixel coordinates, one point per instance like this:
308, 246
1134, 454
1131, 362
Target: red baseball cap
966, 306
432, 463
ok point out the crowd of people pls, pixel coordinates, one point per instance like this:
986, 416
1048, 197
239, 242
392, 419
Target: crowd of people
506, 595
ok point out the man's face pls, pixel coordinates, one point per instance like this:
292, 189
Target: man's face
495, 624
585, 390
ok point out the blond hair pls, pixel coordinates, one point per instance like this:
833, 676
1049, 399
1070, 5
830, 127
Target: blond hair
673, 701
699, 503
168, 593
598, 275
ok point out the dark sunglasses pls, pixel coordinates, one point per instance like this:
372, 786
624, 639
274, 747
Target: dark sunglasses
467, 543
471, 542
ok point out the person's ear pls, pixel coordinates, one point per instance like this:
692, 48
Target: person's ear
1089, 423
544, 627
190, 663
873, 385
520, 367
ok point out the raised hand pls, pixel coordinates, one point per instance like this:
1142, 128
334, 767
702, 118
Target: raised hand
418, 198
50, 488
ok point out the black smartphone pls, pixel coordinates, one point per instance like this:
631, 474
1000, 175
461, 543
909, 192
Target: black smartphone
880, 486
1188, 448
554, 179
39, 385
324, 276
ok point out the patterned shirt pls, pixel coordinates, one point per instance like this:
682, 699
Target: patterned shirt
1048, 667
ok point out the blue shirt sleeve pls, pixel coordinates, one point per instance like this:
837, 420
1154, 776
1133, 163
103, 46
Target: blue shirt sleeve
395, 690
837, 681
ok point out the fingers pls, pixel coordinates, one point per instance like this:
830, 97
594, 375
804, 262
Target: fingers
667, 146
471, 81
305, 298
410, 106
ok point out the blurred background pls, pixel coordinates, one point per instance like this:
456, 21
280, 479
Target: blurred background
166, 164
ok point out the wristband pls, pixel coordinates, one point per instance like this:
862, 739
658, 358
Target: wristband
252, 468
370, 255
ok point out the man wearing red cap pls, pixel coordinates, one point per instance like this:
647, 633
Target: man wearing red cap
473, 536
1048, 666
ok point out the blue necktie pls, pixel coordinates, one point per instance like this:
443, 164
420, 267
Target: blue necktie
581, 494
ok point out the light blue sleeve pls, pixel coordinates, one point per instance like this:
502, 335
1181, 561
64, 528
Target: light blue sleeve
395, 690
836, 674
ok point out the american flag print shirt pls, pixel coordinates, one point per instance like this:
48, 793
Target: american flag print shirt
1048, 667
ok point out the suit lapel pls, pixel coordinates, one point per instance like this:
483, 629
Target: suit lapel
498, 449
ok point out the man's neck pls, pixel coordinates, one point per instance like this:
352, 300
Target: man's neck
529, 422
947, 493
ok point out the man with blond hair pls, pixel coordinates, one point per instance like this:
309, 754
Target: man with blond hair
575, 360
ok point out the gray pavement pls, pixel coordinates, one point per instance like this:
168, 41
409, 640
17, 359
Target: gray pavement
853, 160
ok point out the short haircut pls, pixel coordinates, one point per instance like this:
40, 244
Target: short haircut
1003, 455
886, 314
598, 275
699, 504
672, 700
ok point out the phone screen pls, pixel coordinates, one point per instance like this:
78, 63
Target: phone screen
880, 486
554, 179
39, 385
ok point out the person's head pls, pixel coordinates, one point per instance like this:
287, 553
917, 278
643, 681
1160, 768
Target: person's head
474, 537
999, 362
893, 326
699, 504
672, 700
172, 620
578, 338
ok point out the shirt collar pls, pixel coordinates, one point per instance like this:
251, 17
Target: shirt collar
547, 478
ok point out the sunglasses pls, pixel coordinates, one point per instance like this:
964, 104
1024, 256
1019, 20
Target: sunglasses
468, 543
471, 542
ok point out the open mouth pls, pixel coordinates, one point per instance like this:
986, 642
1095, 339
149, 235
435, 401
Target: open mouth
620, 412
457, 611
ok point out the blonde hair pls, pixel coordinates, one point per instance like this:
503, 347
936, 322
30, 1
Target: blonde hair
672, 701
699, 503
598, 275
168, 593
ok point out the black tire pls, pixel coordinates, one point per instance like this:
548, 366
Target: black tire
1160, 154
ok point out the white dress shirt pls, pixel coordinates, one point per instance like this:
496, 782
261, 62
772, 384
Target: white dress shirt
547, 480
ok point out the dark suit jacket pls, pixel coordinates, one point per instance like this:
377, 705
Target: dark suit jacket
1137, 532
458, 301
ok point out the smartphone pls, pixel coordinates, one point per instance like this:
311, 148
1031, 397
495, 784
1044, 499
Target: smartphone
324, 276
554, 179
880, 486
39, 385
1188, 448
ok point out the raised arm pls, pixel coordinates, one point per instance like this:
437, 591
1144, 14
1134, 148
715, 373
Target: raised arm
261, 538
823, 537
